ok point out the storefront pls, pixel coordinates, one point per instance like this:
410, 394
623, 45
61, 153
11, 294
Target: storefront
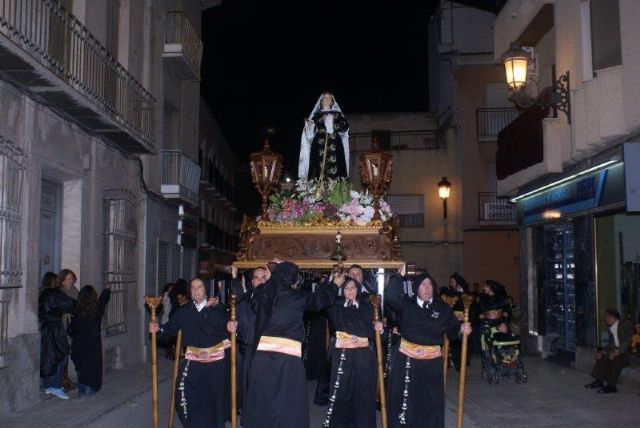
582, 246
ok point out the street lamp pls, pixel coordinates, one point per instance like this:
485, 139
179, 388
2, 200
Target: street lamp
376, 167
266, 166
516, 63
444, 190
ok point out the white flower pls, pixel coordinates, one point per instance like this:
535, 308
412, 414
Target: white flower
354, 195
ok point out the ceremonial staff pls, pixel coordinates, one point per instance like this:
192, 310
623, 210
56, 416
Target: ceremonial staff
234, 381
467, 300
153, 303
375, 301
176, 367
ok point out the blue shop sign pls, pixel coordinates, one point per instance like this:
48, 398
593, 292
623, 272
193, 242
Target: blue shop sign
597, 189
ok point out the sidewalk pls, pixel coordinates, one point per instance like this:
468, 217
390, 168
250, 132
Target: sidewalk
119, 389
553, 397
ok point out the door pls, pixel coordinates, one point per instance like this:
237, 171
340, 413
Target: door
49, 227
560, 291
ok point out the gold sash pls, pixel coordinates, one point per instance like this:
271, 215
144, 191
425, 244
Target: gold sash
349, 341
420, 352
207, 355
280, 344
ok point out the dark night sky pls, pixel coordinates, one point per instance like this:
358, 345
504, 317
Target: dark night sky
266, 62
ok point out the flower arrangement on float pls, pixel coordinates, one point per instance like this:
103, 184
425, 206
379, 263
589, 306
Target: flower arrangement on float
333, 203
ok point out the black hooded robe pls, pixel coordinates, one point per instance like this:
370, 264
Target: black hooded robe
354, 404
200, 387
277, 395
425, 400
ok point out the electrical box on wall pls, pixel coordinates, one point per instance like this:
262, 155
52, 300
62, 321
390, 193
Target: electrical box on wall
632, 176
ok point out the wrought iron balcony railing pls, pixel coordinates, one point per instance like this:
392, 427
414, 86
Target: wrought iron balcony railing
182, 46
490, 121
96, 91
180, 177
493, 209
396, 140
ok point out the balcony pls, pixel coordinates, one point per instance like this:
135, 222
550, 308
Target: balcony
490, 121
48, 53
217, 239
213, 180
396, 140
182, 46
496, 211
180, 177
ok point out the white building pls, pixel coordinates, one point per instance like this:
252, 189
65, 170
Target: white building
99, 108
573, 171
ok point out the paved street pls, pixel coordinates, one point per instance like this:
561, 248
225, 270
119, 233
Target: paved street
554, 397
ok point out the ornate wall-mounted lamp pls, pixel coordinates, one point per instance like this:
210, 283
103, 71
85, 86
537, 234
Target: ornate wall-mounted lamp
516, 63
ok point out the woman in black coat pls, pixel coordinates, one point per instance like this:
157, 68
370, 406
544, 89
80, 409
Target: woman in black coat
53, 303
86, 329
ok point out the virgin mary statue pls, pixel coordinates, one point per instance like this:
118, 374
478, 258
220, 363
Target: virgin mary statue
324, 146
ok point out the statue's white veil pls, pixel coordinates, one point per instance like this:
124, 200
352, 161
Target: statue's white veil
307, 137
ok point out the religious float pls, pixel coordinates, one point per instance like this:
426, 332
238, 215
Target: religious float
320, 220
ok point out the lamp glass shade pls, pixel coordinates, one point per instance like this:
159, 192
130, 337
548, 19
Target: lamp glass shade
516, 71
444, 188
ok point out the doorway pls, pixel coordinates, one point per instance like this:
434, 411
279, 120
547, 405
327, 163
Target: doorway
50, 214
560, 291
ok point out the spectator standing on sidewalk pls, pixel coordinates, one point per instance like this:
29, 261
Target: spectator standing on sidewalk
53, 305
66, 282
85, 330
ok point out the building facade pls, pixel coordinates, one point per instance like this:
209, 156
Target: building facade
99, 146
467, 85
571, 172
423, 152
218, 216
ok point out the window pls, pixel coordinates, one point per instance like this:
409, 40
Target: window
408, 208
12, 166
120, 261
162, 268
605, 34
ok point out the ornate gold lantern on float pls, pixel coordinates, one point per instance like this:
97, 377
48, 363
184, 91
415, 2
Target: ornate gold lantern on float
266, 166
376, 167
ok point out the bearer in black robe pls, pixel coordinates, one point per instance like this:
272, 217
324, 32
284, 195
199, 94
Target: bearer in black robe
277, 390
203, 373
416, 395
352, 400
246, 323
